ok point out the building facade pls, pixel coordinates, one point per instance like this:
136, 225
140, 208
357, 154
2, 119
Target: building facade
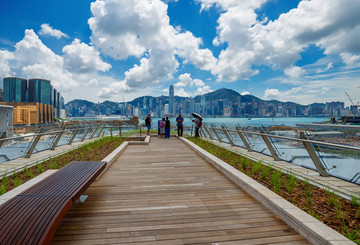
34, 101
171, 99
15, 89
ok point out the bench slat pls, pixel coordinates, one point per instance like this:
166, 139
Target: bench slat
33, 216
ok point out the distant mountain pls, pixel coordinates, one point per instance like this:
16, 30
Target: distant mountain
80, 103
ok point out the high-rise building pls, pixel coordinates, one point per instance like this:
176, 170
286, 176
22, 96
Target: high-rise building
40, 91
171, 99
15, 89
1, 95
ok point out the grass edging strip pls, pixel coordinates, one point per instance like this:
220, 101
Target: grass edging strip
312, 229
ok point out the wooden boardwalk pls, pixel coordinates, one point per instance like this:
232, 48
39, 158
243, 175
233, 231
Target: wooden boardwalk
164, 193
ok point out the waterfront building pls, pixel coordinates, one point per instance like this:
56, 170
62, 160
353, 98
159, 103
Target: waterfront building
6, 119
40, 91
15, 89
1, 95
171, 99
34, 101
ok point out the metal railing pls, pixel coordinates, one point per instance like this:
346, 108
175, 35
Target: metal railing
328, 159
47, 138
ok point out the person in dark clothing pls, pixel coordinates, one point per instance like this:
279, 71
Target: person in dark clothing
167, 128
179, 124
148, 123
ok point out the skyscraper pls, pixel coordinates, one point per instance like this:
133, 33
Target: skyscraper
40, 91
14, 89
171, 99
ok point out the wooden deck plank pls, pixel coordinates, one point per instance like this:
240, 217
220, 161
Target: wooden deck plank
164, 193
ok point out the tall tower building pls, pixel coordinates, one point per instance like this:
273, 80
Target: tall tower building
14, 89
40, 91
171, 99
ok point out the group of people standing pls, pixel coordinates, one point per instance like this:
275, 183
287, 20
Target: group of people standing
165, 125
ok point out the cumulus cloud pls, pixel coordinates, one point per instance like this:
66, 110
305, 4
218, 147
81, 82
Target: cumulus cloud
5, 69
203, 90
271, 94
245, 93
181, 92
142, 29
350, 59
47, 30
294, 72
82, 58
32, 58
252, 42
185, 80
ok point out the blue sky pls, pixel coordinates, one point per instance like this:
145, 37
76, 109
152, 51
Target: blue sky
301, 51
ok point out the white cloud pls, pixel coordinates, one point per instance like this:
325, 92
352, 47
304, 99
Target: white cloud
181, 92
93, 82
271, 94
203, 90
5, 69
350, 59
122, 28
82, 58
245, 93
185, 80
327, 68
47, 30
331, 25
294, 72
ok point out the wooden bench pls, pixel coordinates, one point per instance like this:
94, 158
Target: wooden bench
33, 216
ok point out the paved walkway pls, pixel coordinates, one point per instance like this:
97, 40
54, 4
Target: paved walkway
164, 193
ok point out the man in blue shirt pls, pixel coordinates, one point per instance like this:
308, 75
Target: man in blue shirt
179, 124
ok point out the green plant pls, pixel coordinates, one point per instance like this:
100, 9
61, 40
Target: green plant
17, 181
332, 197
244, 163
2, 189
275, 180
355, 201
353, 235
291, 184
54, 165
339, 213
39, 167
256, 167
264, 172
4, 180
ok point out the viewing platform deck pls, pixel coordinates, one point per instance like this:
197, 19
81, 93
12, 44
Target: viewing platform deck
165, 193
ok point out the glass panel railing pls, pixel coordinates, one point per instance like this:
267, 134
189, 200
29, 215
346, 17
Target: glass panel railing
342, 163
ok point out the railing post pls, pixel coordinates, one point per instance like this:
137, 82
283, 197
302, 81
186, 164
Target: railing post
85, 133
73, 136
120, 132
93, 134
314, 157
111, 131
207, 130
34, 143
192, 126
227, 135
101, 130
270, 146
216, 133
57, 138
201, 133
2, 136
243, 138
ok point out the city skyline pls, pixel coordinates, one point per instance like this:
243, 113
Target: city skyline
300, 51
222, 102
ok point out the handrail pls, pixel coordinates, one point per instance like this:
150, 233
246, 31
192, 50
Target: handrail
347, 147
